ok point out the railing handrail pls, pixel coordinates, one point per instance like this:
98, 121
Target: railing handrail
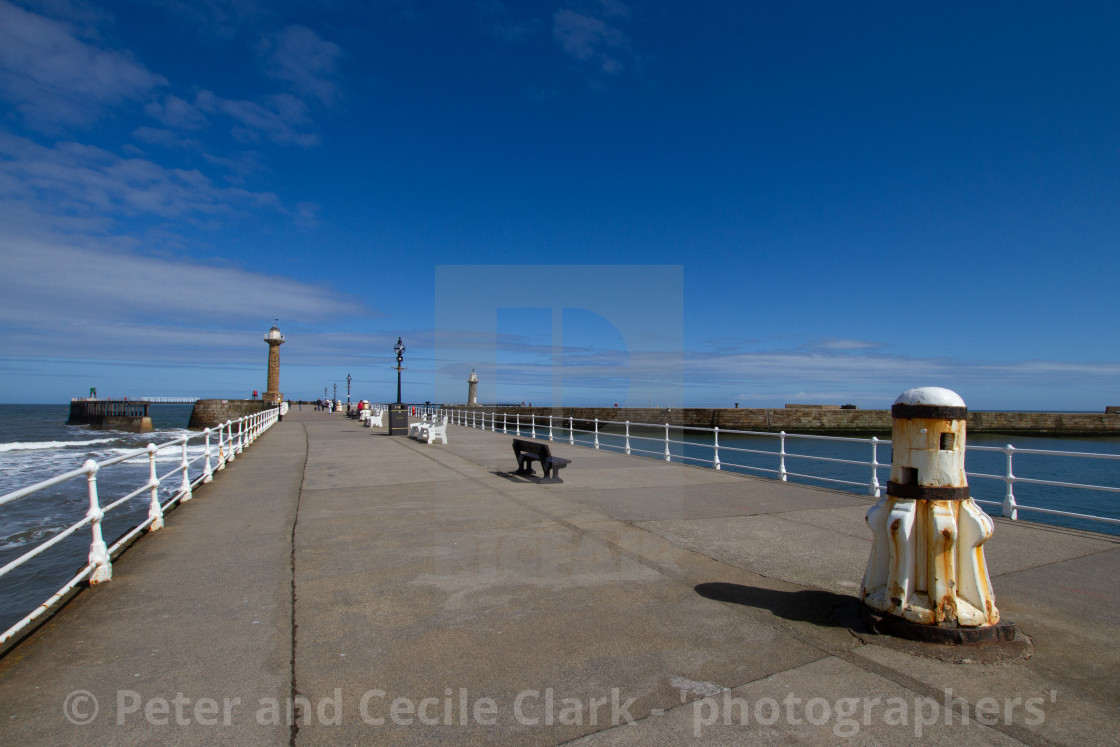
99, 568
1010, 505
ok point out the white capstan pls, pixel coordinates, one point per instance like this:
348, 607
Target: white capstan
930, 395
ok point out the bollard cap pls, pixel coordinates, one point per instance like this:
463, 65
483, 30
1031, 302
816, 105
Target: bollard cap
929, 402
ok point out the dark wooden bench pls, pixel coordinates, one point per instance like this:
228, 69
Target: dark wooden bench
528, 452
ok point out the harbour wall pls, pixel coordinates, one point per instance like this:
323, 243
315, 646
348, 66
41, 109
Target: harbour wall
208, 413
823, 421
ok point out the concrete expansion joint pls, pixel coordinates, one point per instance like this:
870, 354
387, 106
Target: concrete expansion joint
294, 689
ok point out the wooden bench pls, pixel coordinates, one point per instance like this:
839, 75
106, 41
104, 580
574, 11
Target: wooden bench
528, 452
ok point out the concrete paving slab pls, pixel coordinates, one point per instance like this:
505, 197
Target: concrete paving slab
825, 702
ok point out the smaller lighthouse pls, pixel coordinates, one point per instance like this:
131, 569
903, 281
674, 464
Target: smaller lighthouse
274, 339
472, 389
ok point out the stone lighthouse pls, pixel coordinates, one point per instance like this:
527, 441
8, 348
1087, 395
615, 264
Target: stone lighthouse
274, 339
472, 389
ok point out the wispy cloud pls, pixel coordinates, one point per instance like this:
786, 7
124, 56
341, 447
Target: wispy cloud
299, 56
55, 79
590, 40
175, 112
95, 301
70, 180
280, 118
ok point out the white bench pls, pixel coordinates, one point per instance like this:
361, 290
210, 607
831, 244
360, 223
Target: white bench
414, 428
429, 432
375, 420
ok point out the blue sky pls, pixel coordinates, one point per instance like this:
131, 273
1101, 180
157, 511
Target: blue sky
805, 202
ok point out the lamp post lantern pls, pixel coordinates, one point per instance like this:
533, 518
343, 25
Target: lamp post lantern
347, 393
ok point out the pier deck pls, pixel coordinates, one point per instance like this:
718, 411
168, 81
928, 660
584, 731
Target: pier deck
351, 570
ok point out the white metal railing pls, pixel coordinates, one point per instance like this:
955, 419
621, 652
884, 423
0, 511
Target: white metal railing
664, 447
169, 400
232, 438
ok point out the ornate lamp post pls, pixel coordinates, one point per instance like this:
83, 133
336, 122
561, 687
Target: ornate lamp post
347, 393
398, 413
399, 348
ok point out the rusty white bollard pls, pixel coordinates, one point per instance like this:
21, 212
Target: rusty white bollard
98, 551
926, 578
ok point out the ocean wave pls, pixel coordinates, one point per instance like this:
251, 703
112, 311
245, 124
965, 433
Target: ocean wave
48, 445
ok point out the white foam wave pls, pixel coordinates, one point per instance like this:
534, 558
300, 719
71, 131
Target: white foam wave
47, 445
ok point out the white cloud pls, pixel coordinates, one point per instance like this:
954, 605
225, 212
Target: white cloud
56, 79
301, 57
71, 180
280, 118
592, 40
177, 113
95, 301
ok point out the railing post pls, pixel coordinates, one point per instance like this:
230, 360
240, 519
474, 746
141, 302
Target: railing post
505, 422
221, 446
715, 459
1010, 509
231, 447
668, 456
550, 428
493, 426
98, 552
518, 416
533, 422
627, 436
873, 487
782, 458
596, 433
571, 430
155, 511
185, 465
207, 473
240, 435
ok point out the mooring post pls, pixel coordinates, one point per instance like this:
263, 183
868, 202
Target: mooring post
927, 578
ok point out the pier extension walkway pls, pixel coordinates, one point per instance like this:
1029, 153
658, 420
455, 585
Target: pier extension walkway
399, 593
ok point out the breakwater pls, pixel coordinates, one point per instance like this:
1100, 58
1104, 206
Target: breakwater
208, 413
824, 421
